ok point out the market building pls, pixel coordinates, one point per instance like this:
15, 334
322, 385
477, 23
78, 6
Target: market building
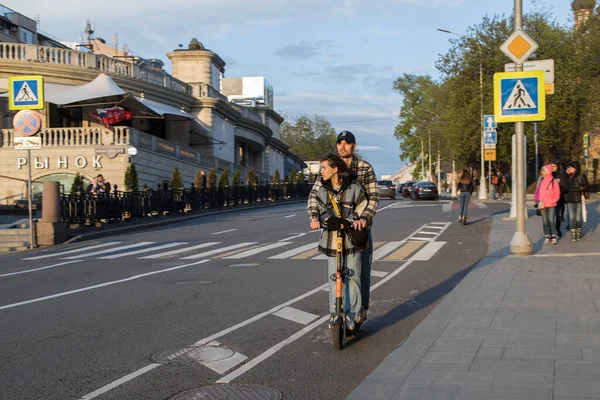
106, 108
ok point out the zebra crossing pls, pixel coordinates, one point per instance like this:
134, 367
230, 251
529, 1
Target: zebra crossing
114, 250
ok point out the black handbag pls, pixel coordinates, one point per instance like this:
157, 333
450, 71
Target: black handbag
358, 238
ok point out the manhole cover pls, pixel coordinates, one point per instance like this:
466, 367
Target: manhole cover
192, 355
229, 392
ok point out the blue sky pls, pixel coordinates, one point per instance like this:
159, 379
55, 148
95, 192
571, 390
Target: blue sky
335, 58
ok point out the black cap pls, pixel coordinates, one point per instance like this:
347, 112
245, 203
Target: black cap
347, 136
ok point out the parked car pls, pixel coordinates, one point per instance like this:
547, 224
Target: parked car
387, 189
399, 188
424, 190
407, 188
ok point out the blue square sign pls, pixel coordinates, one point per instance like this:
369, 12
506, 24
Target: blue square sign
26, 92
519, 96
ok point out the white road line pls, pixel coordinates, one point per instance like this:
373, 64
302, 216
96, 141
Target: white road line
428, 251
148, 250
62, 253
447, 207
435, 227
178, 251
119, 382
131, 278
427, 233
378, 274
217, 251
386, 249
97, 253
320, 257
257, 250
290, 216
228, 230
481, 205
439, 223
293, 252
420, 239
295, 315
293, 237
38, 269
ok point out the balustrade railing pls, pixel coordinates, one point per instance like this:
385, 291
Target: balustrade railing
87, 208
100, 62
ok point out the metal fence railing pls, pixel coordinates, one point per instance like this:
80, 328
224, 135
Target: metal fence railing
88, 208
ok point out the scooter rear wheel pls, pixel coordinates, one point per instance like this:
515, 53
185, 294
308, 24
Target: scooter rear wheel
338, 336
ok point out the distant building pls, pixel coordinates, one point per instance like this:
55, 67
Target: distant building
184, 119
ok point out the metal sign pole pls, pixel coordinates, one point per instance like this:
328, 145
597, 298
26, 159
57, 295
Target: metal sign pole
521, 242
32, 243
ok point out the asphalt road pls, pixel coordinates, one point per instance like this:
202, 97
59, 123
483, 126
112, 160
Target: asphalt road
233, 299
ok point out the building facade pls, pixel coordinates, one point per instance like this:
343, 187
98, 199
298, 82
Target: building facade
184, 119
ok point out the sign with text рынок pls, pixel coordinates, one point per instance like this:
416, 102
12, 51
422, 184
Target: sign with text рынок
26, 92
519, 96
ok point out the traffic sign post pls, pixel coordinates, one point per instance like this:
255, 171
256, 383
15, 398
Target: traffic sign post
489, 145
26, 92
539, 65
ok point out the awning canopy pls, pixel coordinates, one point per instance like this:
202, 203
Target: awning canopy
164, 109
101, 90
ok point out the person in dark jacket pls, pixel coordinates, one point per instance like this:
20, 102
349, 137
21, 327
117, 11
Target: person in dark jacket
559, 174
465, 185
576, 185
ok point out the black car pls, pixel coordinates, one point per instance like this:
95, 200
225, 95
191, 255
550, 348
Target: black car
424, 190
406, 189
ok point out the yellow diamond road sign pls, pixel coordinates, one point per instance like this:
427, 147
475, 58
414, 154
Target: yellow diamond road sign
519, 46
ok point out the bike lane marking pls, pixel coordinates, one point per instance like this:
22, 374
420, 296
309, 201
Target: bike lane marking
228, 230
38, 269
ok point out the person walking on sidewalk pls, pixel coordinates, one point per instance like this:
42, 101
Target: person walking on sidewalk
576, 188
465, 186
364, 174
561, 177
547, 194
341, 202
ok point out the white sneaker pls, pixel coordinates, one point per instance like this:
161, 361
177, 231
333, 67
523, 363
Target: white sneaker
547, 241
361, 318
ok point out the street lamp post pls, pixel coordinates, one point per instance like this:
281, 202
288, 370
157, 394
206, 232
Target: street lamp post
482, 185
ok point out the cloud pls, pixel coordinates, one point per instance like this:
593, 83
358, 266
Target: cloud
368, 148
303, 50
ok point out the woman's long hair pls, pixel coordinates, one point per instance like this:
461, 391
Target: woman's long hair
335, 161
465, 177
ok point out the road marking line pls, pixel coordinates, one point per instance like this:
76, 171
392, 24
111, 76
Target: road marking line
481, 205
294, 252
421, 239
428, 233
306, 255
38, 269
439, 223
428, 251
217, 251
447, 207
97, 253
236, 251
295, 315
178, 251
293, 237
290, 216
79, 250
148, 250
403, 252
435, 227
119, 382
378, 274
386, 249
257, 250
228, 230
131, 278
320, 257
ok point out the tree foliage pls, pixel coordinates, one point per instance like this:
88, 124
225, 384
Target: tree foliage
77, 183
276, 177
293, 178
131, 178
449, 109
308, 138
224, 179
176, 179
251, 176
212, 178
198, 178
236, 179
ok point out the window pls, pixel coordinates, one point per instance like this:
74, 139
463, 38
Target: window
26, 36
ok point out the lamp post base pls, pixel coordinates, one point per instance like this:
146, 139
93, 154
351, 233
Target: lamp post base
482, 190
521, 244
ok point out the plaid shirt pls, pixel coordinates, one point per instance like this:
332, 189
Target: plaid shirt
363, 173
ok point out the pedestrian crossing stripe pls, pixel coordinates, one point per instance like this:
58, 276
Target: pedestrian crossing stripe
519, 98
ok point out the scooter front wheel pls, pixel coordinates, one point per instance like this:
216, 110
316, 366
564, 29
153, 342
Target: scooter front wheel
338, 336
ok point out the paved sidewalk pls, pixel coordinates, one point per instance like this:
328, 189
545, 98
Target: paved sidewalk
515, 328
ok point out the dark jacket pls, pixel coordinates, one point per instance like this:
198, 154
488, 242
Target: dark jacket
465, 187
575, 185
562, 177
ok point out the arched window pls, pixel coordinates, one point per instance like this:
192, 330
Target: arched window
65, 181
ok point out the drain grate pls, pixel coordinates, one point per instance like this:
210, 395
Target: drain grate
229, 392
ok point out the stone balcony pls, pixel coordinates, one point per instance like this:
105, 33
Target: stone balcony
98, 62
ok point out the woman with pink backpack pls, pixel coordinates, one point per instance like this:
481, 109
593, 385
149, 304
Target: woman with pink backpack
547, 194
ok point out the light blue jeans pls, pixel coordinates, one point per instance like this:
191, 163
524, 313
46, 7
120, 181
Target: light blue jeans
351, 297
549, 222
464, 204
575, 215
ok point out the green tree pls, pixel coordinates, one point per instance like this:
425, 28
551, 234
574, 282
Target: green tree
276, 177
198, 178
301, 176
236, 180
224, 179
293, 178
176, 179
77, 182
131, 178
212, 178
251, 176
308, 138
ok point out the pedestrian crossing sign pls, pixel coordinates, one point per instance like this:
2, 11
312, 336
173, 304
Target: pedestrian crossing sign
26, 92
519, 96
